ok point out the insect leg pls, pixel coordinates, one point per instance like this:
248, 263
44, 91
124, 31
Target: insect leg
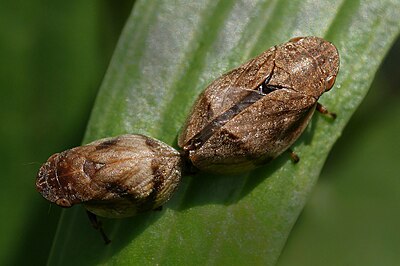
98, 226
322, 109
293, 156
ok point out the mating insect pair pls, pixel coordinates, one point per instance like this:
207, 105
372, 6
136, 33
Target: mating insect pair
243, 119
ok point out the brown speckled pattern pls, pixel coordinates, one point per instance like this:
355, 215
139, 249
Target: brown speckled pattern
294, 75
113, 177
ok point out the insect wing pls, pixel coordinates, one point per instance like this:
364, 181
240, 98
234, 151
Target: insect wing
225, 92
276, 122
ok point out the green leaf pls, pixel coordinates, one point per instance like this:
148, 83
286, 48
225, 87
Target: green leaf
167, 54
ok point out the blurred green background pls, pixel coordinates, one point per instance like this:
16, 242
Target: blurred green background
53, 58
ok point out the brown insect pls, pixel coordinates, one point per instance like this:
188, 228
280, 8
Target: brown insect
113, 177
255, 112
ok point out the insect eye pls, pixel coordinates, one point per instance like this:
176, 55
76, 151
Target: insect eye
329, 81
63, 203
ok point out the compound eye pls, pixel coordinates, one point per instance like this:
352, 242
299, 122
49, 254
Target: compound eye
329, 82
63, 203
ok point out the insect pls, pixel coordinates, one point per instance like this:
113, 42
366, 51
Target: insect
112, 177
253, 113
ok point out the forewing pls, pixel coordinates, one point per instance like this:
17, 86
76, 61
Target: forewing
225, 92
277, 120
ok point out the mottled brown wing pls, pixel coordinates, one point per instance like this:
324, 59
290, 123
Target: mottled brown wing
141, 178
225, 92
121, 162
276, 121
